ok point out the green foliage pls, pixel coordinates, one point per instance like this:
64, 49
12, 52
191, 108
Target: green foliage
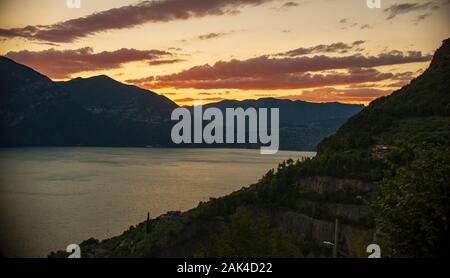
413, 210
250, 235
356, 243
355, 164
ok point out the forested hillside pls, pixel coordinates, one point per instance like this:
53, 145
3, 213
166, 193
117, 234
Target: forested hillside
385, 175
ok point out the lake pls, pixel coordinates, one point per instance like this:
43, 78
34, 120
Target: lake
52, 197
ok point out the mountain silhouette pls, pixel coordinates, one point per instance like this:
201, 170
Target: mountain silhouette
105, 96
302, 124
297, 112
34, 111
100, 111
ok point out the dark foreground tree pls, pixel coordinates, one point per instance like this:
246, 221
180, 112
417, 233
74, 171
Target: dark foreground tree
412, 212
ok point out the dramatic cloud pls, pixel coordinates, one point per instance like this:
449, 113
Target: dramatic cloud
63, 63
185, 99
213, 99
266, 66
164, 62
189, 99
330, 94
266, 73
404, 76
276, 82
129, 16
421, 17
398, 9
211, 36
214, 93
291, 4
347, 24
338, 47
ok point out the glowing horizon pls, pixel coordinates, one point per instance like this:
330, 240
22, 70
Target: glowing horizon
210, 50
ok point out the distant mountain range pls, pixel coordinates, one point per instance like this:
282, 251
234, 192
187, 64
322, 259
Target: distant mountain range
302, 124
100, 111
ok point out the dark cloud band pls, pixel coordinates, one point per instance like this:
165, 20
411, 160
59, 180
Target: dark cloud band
127, 17
63, 63
265, 72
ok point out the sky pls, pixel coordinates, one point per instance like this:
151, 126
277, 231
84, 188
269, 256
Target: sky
210, 50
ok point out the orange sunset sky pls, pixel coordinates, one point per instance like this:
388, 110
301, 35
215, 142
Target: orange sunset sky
312, 50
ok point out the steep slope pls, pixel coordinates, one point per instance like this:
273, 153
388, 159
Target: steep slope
391, 120
34, 111
397, 196
107, 97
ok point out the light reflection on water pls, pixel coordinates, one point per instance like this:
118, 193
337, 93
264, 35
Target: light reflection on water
51, 197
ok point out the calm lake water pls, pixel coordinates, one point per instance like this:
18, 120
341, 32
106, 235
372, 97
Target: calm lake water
52, 197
